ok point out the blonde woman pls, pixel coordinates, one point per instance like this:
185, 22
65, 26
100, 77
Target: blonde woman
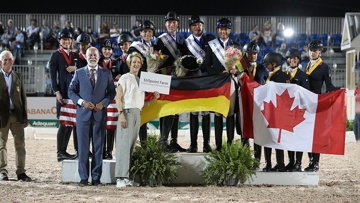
129, 101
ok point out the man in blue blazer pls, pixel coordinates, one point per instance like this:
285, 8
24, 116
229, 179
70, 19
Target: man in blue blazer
92, 89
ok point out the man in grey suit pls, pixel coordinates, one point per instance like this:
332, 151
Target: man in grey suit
92, 89
13, 116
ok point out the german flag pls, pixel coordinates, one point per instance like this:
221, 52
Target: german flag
242, 65
191, 94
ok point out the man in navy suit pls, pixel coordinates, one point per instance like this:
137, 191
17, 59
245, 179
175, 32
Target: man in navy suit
92, 89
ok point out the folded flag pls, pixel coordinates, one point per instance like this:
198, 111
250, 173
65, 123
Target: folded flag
289, 117
68, 113
191, 94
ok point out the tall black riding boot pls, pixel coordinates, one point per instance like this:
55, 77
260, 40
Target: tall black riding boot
174, 135
291, 156
165, 127
110, 139
280, 166
143, 134
297, 165
257, 152
206, 128
75, 140
315, 163
218, 125
104, 147
267, 154
230, 128
62, 141
194, 128
311, 162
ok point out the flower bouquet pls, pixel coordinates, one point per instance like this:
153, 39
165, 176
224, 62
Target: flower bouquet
154, 60
232, 56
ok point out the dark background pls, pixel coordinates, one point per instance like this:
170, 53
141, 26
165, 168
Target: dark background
310, 8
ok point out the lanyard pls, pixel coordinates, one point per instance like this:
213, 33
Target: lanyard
273, 73
310, 70
68, 59
105, 65
252, 73
293, 74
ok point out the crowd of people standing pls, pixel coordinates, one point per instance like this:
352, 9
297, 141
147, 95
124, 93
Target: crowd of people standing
92, 80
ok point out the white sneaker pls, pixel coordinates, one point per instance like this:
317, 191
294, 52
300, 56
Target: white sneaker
120, 183
130, 183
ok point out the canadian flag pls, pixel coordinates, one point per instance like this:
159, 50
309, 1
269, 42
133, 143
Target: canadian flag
289, 117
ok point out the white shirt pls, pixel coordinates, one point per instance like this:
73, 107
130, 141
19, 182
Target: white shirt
225, 42
113, 32
133, 97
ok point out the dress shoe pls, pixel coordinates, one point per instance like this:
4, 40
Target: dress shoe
83, 183
177, 147
192, 149
296, 167
76, 155
267, 167
61, 156
169, 149
278, 168
96, 183
105, 156
206, 148
4, 176
109, 155
289, 166
24, 177
313, 167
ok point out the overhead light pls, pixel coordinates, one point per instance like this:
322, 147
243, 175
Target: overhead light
288, 32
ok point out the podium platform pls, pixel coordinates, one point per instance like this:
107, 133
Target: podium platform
192, 165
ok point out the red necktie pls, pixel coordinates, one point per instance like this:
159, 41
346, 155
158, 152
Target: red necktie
92, 77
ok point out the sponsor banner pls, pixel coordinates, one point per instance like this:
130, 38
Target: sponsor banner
44, 123
41, 107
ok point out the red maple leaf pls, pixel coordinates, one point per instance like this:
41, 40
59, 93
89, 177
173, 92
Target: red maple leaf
281, 116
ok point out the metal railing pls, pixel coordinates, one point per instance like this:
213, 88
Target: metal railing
34, 78
338, 79
308, 25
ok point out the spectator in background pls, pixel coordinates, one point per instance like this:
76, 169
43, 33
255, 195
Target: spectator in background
135, 32
115, 31
33, 33
254, 34
305, 53
282, 50
19, 40
48, 89
12, 27
45, 31
78, 31
54, 31
267, 33
69, 27
104, 32
279, 35
1, 29
93, 35
6, 37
